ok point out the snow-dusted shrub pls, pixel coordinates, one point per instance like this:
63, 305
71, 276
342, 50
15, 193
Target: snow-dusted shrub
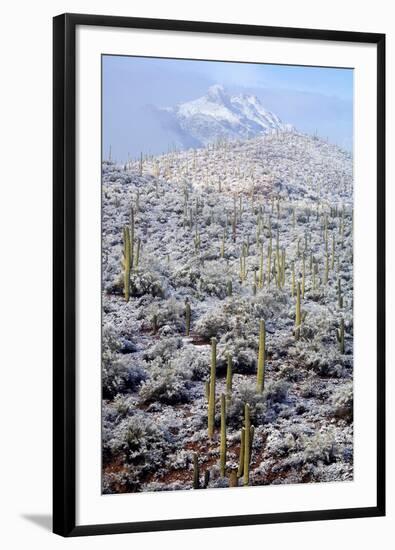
146, 282
290, 373
110, 343
140, 440
194, 361
342, 401
246, 392
213, 281
214, 323
169, 313
167, 383
165, 349
119, 480
276, 392
244, 353
309, 388
120, 375
319, 447
280, 446
186, 275
140, 444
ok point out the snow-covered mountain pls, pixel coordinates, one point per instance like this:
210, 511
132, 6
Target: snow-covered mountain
219, 115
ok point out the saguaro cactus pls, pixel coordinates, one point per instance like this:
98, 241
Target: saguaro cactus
211, 402
298, 315
126, 262
187, 317
293, 280
229, 288
340, 336
241, 454
207, 390
223, 436
260, 280
269, 261
261, 357
196, 484
229, 375
339, 294
131, 237
138, 248
233, 481
247, 426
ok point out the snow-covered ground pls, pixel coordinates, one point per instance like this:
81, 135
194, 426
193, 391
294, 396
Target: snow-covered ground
206, 222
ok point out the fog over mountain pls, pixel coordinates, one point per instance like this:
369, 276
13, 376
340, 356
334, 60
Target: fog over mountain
216, 115
151, 105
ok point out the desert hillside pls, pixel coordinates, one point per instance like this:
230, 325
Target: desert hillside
227, 315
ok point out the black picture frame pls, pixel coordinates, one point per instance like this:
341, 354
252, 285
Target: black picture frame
64, 273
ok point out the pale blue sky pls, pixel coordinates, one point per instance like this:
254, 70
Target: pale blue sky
313, 99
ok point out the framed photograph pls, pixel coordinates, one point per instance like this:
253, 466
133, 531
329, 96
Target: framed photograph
219, 275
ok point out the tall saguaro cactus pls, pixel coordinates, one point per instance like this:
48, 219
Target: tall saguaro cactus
187, 317
298, 314
223, 436
229, 376
241, 455
126, 262
261, 357
247, 426
211, 402
340, 336
196, 484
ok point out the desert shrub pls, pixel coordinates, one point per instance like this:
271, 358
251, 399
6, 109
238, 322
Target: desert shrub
110, 343
165, 349
244, 354
319, 448
146, 282
167, 383
246, 392
194, 361
308, 388
139, 440
169, 312
133, 447
213, 281
290, 373
280, 445
342, 401
214, 323
120, 375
